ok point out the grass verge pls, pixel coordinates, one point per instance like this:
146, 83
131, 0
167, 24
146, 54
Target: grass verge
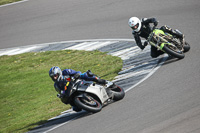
28, 98
3, 2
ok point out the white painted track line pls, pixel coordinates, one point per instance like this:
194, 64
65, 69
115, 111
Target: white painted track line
14, 3
77, 46
91, 44
23, 50
102, 44
17, 50
9, 52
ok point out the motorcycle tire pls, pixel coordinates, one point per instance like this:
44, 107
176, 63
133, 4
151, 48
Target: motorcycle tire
118, 93
88, 103
186, 47
173, 51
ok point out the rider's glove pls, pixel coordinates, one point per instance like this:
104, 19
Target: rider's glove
155, 23
145, 43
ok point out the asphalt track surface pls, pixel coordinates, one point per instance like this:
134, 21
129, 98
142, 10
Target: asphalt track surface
168, 101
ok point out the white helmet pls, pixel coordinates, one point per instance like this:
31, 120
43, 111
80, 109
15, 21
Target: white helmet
135, 24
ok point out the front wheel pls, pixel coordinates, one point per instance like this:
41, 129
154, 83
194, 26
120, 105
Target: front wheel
118, 92
186, 47
88, 103
173, 51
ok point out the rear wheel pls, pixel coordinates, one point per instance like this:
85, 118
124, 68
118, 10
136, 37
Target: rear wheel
173, 51
88, 103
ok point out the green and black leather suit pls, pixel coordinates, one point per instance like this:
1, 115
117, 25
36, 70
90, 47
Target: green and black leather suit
146, 30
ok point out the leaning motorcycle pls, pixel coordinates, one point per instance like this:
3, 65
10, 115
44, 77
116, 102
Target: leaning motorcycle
91, 96
168, 43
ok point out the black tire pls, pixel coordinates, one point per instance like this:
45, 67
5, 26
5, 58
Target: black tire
88, 103
186, 47
118, 93
173, 51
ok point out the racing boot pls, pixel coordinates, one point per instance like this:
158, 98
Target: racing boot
179, 35
176, 33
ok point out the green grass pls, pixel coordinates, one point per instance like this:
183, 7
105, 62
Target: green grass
2, 2
28, 98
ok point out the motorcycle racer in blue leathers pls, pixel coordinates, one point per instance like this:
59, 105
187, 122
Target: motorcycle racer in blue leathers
60, 79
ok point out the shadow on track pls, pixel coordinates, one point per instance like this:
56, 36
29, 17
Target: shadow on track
50, 124
171, 60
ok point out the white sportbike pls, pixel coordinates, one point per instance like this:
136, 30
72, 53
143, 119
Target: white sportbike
91, 96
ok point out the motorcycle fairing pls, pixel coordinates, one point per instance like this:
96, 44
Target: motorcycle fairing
157, 32
98, 90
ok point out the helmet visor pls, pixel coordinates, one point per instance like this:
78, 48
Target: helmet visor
135, 26
54, 77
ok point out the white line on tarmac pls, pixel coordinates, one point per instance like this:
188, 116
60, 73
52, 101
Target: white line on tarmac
17, 50
23, 50
100, 46
89, 44
13, 3
9, 51
123, 51
151, 73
